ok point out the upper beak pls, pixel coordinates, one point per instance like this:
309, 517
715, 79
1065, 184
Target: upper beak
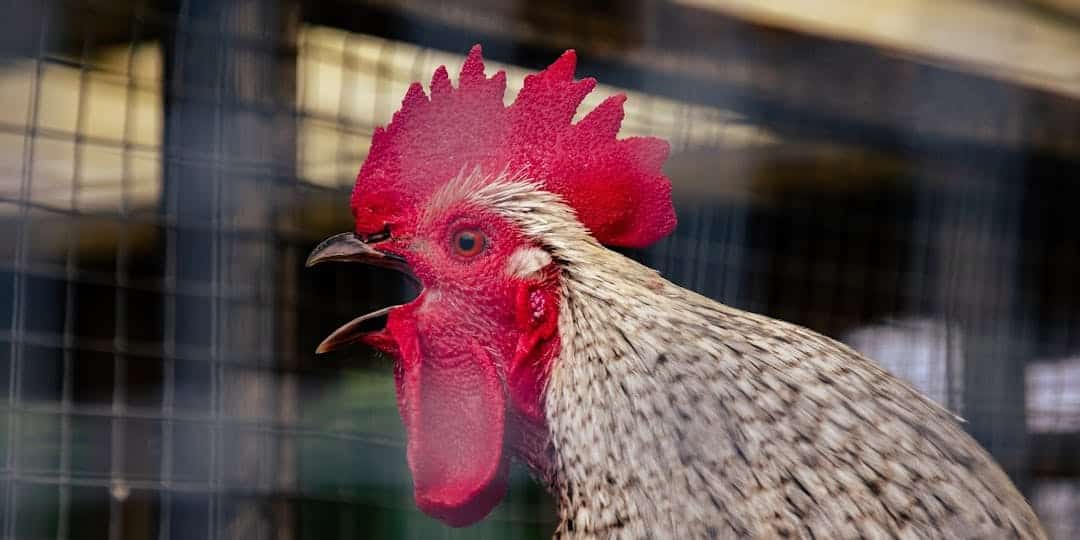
344, 247
347, 247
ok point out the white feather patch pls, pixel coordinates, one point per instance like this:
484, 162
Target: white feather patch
526, 262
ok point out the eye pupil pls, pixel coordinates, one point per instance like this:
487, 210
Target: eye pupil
468, 243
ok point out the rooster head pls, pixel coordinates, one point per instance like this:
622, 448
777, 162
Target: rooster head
473, 351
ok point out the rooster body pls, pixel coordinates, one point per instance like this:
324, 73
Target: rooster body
674, 415
671, 412
646, 409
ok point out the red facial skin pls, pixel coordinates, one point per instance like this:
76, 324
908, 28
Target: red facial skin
473, 353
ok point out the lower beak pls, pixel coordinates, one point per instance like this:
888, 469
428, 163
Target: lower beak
357, 330
347, 247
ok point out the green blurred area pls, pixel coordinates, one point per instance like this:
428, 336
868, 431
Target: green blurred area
375, 481
352, 478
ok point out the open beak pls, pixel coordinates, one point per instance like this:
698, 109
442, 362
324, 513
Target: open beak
347, 247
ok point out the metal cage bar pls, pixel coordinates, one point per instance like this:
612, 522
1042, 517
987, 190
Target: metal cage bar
177, 160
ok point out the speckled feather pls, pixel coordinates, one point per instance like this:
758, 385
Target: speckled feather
674, 416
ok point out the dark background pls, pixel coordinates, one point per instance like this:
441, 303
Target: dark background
165, 167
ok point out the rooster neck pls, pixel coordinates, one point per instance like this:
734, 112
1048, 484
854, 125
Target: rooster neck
609, 398
671, 412
672, 415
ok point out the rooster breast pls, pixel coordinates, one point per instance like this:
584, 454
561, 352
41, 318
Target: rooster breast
676, 416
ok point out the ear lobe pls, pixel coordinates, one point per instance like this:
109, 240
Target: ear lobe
537, 306
538, 317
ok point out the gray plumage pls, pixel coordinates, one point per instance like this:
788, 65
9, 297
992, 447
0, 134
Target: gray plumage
674, 416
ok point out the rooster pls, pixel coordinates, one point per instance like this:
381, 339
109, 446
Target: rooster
647, 410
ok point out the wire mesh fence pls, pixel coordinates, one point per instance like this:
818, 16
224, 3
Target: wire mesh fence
166, 166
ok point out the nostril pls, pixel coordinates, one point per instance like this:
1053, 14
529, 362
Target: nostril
377, 237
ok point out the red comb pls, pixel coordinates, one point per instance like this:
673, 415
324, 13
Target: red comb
616, 186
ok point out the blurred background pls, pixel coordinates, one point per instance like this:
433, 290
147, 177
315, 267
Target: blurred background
903, 175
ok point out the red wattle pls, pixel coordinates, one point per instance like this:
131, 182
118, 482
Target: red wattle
454, 411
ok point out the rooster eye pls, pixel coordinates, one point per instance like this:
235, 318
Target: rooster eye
468, 243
